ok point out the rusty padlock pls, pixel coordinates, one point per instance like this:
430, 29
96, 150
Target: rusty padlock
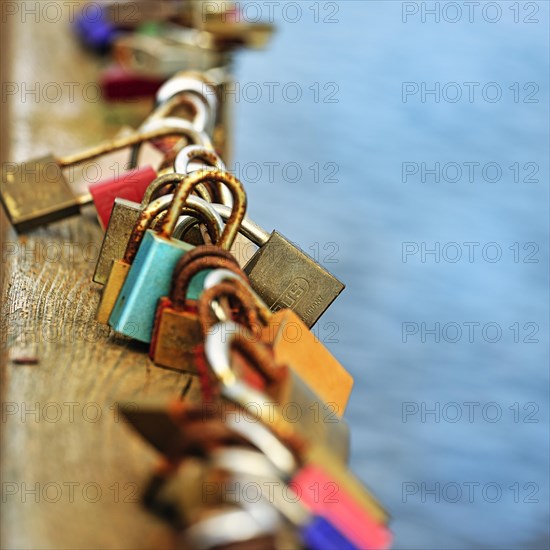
293, 344
177, 330
279, 382
123, 218
150, 276
120, 267
355, 512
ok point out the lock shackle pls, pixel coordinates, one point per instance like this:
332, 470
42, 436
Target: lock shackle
217, 350
146, 216
210, 161
280, 454
145, 219
153, 131
170, 126
221, 275
182, 278
197, 152
184, 189
249, 229
201, 119
241, 460
235, 290
193, 82
223, 527
158, 184
238, 338
203, 252
200, 210
212, 220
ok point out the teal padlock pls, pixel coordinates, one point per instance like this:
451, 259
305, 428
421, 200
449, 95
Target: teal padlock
150, 275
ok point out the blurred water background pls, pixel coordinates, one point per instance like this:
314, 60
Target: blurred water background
360, 213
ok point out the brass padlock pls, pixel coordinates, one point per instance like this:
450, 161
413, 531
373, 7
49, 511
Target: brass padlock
299, 404
294, 344
283, 275
177, 330
121, 223
46, 196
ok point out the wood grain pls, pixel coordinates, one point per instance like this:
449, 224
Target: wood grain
72, 473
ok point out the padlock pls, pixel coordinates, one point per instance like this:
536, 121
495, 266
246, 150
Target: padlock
284, 276
177, 329
360, 517
130, 186
191, 433
281, 383
150, 276
345, 504
246, 466
97, 33
123, 218
47, 197
295, 345
344, 501
119, 267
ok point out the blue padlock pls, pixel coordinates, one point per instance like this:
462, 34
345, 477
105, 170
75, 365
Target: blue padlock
95, 31
320, 534
150, 275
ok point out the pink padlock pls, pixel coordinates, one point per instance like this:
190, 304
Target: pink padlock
130, 186
325, 497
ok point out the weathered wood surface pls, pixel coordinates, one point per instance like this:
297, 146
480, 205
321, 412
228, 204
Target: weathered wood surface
71, 472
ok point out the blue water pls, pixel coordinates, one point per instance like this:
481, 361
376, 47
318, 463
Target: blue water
357, 224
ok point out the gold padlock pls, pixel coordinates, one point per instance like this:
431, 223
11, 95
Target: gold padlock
294, 344
46, 196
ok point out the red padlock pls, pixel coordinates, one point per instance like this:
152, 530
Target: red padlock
119, 84
130, 186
